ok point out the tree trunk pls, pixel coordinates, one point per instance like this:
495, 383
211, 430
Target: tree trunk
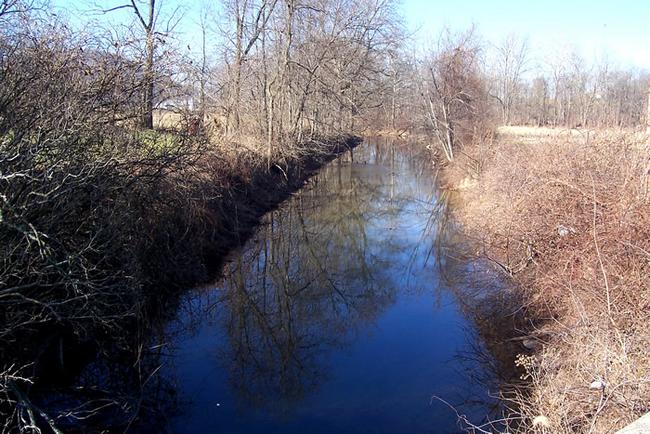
147, 109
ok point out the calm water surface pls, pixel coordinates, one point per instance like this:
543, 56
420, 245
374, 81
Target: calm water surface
334, 317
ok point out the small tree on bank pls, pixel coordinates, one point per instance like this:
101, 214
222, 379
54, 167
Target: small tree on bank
453, 90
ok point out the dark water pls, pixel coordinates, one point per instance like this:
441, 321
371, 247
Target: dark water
335, 317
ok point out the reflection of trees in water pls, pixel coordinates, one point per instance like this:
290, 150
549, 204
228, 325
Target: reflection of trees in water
117, 392
323, 265
482, 294
330, 260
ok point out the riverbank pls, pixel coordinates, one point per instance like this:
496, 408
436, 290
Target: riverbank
566, 217
228, 199
164, 224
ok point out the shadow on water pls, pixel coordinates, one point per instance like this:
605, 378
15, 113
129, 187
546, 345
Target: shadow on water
347, 311
495, 322
351, 308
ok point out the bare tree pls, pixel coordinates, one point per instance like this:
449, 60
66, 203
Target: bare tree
147, 14
453, 90
538, 103
510, 63
249, 20
572, 92
14, 6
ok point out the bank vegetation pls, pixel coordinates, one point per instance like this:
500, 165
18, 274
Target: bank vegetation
559, 206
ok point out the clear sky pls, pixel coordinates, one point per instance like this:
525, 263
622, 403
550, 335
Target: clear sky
617, 29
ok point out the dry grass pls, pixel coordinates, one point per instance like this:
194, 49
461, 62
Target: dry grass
567, 215
167, 120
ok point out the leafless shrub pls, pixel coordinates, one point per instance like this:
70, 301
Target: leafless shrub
567, 219
78, 188
454, 92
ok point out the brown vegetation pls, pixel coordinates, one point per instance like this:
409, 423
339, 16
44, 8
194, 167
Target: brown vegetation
454, 92
566, 216
101, 220
562, 212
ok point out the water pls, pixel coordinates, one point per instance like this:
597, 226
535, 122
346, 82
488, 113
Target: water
335, 316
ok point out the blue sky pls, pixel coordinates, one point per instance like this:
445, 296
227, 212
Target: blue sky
617, 29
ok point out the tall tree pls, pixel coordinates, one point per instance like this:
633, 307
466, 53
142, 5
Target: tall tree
249, 19
511, 57
147, 13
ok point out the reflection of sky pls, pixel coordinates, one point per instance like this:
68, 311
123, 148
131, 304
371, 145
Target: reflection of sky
365, 339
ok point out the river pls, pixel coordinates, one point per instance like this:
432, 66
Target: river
337, 316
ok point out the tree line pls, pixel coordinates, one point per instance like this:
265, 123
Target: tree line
460, 87
263, 73
565, 89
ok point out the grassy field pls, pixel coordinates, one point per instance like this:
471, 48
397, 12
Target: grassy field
566, 214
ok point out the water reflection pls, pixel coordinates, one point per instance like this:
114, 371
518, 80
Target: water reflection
335, 317
494, 315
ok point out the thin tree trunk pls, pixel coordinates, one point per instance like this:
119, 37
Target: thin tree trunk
147, 115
